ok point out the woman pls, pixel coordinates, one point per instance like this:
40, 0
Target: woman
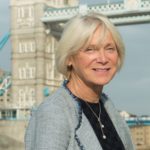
78, 116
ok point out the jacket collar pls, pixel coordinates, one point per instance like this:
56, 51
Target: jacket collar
84, 133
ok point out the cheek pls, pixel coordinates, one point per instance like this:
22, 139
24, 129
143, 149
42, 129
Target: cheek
83, 62
115, 60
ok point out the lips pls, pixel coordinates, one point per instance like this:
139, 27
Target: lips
101, 69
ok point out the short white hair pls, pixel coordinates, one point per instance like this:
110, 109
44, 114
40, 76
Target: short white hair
76, 35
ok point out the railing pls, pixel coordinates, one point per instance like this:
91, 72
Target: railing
112, 9
138, 121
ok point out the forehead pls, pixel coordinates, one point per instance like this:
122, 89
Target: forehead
101, 36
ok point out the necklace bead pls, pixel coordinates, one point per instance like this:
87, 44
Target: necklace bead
104, 136
102, 125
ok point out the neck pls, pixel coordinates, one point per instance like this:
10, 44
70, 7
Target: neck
87, 92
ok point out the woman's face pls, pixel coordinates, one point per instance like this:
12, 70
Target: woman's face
96, 65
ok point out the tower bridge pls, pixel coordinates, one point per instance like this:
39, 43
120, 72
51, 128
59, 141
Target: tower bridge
120, 13
35, 30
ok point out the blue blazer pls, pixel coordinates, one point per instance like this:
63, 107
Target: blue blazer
59, 124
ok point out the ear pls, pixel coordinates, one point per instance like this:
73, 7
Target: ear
69, 62
69, 65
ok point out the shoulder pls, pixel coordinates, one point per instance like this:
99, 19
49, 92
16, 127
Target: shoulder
49, 120
54, 102
52, 111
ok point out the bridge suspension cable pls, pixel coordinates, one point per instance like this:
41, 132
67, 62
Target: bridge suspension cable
4, 40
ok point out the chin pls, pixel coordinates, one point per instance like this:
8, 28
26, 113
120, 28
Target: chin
103, 82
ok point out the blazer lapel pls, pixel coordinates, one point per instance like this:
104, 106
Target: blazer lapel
86, 136
84, 133
115, 118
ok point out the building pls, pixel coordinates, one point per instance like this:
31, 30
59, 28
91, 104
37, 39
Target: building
140, 129
141, 136
33, 71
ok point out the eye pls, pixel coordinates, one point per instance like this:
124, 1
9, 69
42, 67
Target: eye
91, 48
111, 49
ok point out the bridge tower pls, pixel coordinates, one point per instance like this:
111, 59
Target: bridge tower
33, 48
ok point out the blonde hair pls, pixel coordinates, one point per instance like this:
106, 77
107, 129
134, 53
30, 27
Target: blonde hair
76, 35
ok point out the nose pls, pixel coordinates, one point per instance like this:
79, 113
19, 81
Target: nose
102, 57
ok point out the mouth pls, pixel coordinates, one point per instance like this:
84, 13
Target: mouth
101, 69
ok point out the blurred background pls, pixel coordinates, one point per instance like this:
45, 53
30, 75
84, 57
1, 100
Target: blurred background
29, 33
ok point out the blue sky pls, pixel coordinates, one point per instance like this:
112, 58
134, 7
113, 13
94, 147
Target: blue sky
130, 89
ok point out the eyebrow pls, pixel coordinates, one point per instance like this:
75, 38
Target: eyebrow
98, 46
110, 44
93, 46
